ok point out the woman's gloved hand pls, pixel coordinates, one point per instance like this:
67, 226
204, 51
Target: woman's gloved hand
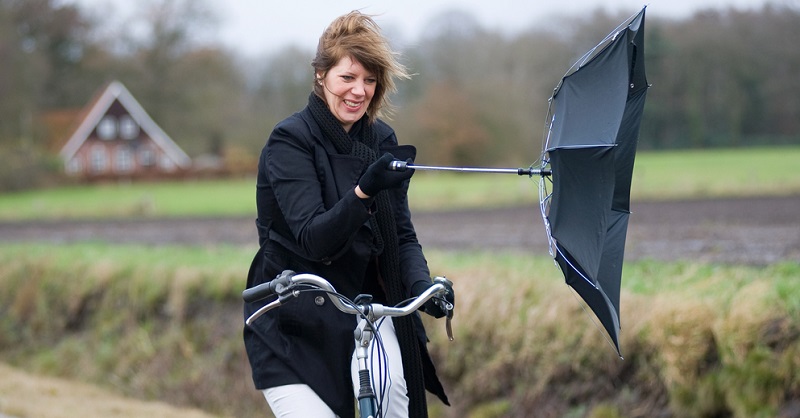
380, 177
435, 306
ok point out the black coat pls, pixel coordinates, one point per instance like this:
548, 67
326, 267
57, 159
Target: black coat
311, 221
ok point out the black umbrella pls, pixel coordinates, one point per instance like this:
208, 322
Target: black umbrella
593, 127
594, 119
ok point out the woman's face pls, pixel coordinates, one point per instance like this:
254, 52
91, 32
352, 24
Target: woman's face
348, 88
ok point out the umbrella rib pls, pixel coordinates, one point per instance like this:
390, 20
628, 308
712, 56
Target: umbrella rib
573, 291
590, 54
544, 202
584, 146
591, 318
580, 273
611, 35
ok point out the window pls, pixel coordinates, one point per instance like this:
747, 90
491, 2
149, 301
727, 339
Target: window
166, 163
98, 159
107, 128
147, 157
123, 160
128, 129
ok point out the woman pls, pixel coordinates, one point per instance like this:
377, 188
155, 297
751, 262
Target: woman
329, 205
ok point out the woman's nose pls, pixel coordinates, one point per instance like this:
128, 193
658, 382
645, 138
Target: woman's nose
358, 88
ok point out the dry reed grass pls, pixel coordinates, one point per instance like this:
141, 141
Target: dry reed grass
698, 340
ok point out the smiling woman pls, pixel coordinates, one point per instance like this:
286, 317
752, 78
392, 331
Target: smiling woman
349, 89
329, 205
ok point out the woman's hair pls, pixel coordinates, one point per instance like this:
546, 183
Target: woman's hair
357, 36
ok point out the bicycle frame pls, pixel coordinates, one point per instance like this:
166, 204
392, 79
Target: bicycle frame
289, 285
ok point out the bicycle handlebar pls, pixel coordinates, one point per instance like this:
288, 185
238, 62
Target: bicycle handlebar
265, 290
287, 283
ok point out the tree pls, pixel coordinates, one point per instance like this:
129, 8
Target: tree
194, 90
283, 86
42, 44
447, 129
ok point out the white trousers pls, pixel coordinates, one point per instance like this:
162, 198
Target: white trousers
388, 383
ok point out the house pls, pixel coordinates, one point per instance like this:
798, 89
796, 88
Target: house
116, 138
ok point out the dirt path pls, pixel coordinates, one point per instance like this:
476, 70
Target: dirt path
25, 395
743, 231
748, 231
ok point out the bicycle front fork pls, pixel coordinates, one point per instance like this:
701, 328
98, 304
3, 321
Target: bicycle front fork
367, 401
367, 404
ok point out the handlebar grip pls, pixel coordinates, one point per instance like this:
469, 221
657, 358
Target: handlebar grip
265, 290
262, 291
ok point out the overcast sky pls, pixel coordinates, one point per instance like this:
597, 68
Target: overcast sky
257, 27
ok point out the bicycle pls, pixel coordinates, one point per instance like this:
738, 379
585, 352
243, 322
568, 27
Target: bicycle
289, 284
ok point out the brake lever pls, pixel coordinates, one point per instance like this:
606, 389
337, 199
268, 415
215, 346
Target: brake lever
448, 326
449, 308
446, 306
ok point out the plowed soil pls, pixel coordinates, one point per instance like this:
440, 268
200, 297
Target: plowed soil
756, 231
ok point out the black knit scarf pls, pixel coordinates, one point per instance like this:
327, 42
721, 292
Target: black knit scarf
385, 230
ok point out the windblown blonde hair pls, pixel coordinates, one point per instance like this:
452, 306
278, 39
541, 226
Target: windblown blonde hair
357, 36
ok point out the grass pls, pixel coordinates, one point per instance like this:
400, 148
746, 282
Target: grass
154, 323
188, 198
657, 175
165, 323
710, 339
717, 173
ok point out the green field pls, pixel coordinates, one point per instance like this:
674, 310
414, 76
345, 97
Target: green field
657, 175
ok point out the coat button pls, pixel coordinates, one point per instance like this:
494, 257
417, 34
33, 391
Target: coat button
319, 300
326, 262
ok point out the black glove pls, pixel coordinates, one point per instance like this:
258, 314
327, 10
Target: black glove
435, 307
380, 177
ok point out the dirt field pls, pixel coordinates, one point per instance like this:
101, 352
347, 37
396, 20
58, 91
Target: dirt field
754, 231
26, 395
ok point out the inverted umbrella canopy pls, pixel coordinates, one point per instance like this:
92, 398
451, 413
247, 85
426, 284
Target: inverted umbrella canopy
592, 130
594, 120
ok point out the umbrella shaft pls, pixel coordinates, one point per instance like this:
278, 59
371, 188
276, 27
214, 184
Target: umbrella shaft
403, 166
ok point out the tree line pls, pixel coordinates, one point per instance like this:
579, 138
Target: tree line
722, 77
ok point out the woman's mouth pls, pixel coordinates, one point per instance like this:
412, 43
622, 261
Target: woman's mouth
350, 104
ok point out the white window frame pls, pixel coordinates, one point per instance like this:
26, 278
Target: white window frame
98, 159
123, 160
147, 156
108, 128
128, 128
